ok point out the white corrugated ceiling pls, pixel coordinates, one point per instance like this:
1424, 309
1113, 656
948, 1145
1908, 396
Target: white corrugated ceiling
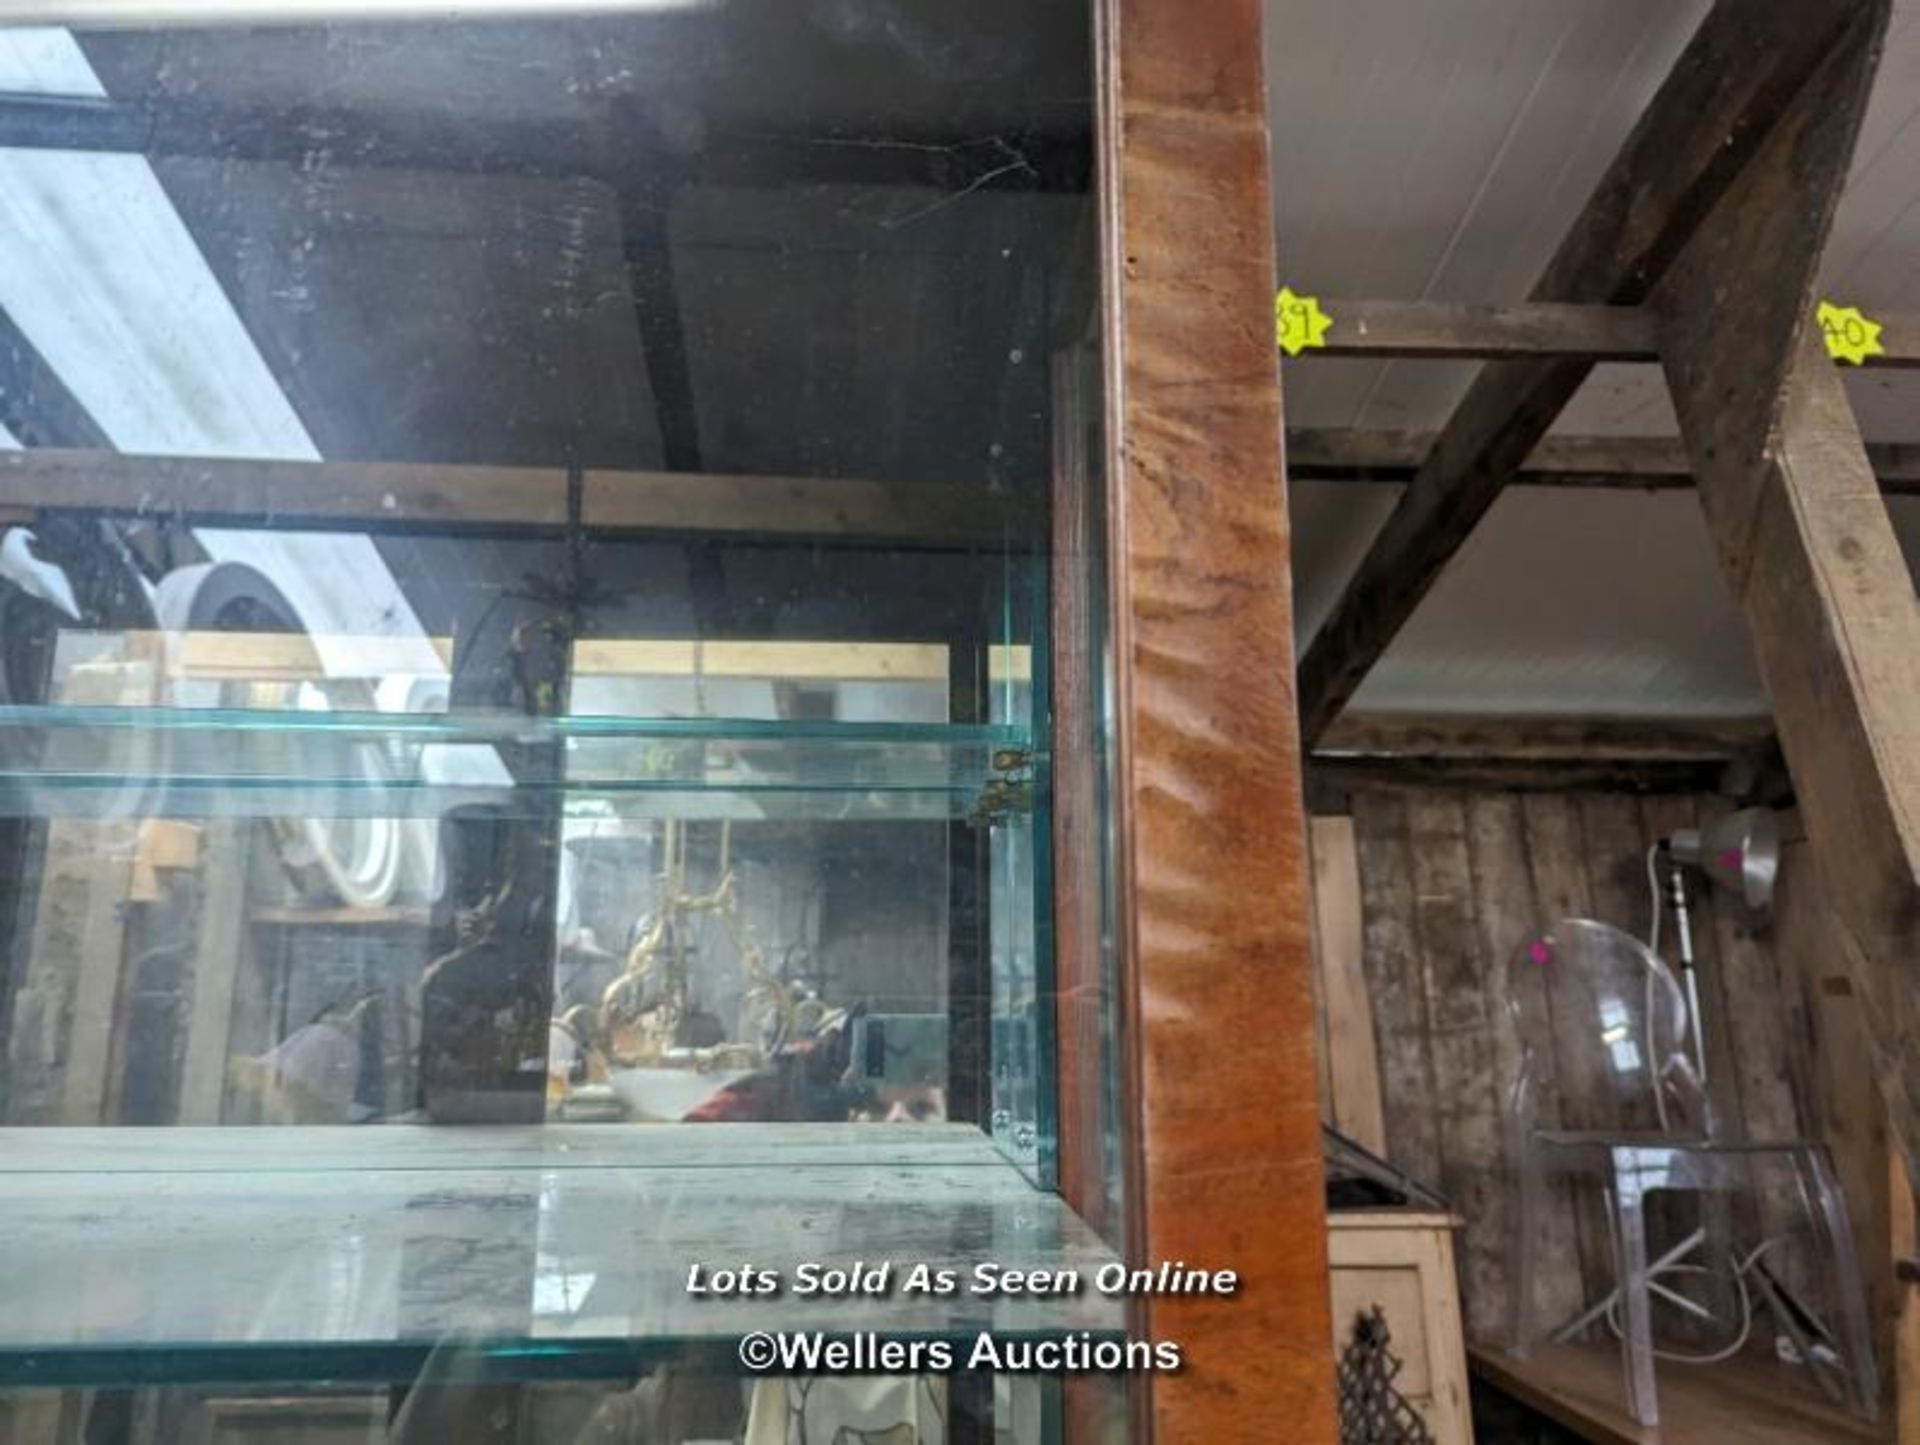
1441, 151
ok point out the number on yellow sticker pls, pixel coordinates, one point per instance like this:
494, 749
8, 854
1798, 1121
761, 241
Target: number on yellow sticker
1299, 322
1851, 334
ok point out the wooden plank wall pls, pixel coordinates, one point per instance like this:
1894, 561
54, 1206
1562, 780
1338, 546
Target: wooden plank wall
1828, 1039
1451, 880
1349, 1063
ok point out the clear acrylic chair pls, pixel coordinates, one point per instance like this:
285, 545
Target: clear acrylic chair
1603, 1026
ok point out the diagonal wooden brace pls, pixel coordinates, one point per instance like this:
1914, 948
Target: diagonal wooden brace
1805, 540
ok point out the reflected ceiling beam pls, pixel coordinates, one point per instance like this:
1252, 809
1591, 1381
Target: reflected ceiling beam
1738, 75
445, 140
1626, 463
238, 492
36, 408
1441, 330
646, 220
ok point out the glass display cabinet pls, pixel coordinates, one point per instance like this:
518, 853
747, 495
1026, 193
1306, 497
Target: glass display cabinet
525, 640
557, 713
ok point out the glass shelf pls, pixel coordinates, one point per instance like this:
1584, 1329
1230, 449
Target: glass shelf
203, 1255
138, 762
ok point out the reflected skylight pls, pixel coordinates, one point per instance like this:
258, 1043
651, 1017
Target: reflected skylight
1616, 1032
42, 60
103, 13
98, 270
101, 275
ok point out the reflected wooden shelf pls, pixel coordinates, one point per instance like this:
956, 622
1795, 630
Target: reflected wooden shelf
322, 917
1749, 1400
146, 1256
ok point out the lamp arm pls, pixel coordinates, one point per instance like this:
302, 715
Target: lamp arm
1689, 975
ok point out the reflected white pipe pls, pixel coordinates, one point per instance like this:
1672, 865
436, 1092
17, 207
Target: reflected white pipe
144, 14
33, 574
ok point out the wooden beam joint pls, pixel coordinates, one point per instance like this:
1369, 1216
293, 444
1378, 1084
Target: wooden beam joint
1741, 74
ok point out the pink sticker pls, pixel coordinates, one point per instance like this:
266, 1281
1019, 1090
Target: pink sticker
1540, 951
1729, 859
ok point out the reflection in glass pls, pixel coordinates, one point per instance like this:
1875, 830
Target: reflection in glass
524, 573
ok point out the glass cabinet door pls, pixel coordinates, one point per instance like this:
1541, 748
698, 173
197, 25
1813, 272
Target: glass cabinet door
526, 577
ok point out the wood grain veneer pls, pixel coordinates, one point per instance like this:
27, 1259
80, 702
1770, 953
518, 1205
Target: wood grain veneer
1224, 1128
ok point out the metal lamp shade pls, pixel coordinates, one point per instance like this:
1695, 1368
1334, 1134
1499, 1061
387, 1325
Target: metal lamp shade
1741, 853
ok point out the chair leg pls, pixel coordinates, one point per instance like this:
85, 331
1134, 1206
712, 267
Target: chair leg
1522, 1239
1571, 1328
1718, 1251
1850, 1298
1636, 1333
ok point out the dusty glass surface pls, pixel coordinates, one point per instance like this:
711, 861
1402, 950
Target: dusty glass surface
525, 551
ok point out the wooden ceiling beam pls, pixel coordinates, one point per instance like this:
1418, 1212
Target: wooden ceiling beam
1517, 753
1447, 737
1737, 77
1445, 330
1332, 781
1641, 463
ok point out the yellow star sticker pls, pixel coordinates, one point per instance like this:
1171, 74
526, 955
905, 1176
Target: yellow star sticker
1851, 335
1299, 322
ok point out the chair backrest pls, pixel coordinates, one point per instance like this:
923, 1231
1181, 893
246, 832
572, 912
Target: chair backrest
1603, 1029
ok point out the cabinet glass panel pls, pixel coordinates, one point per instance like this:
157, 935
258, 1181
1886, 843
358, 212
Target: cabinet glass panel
526, 565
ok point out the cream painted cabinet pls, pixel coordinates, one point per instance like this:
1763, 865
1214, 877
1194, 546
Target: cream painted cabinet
1402, 1261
